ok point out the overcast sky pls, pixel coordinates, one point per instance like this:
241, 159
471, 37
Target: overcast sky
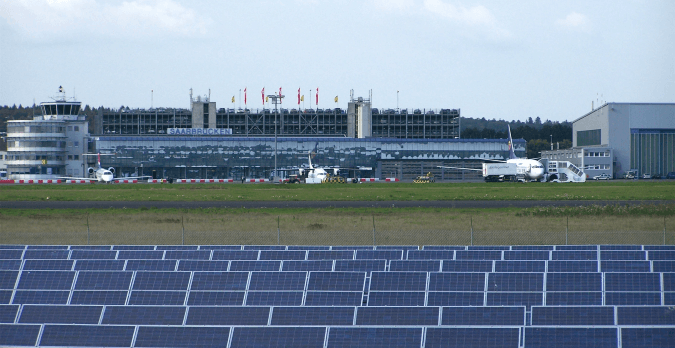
495, 59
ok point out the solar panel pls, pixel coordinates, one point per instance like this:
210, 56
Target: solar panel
90, 247
572, 316
620, 247
438, 298
50, 314
161, 281
6, 254
632, 298
397, 247
99, 265
277, 281
520, 266
527, 299
12, 246
352, 247
219, 281
659, 247
93, 254
331, 255
108, 298
216, 298
187, 255
472, 337
625, 266
443, 247
532, 247
228, 316
283, 255
8, 313
663, 266
86, 335
552, 337
252, 266
400, 316
308, 247
576, 247
312, 316
379, 254
221, 247
488, 247
574, 255
646, 315
7, 265
274, 298
336, 281
572, 266
177, 247
157, 298
669, 298
105, 280
360, 265
305, 266
415, 266
478, 255
665, 255
457, 282
467, 266
197, 337
483, 316
574, 298
647, 337
431, 254
140, 255
396, 298
143, 315
46, 254
40, 297
398, 281
45, 280
574, 282
623, 255
47, 247
526, 255
668, 281
333, 298
151, 265
306, 337
515, 282
201, 265
48, 265
385, 337
632, 282
5, 296
19, 335
264, 247
133, 247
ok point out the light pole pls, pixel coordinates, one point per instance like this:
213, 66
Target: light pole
397, 109
551, 142
276, 99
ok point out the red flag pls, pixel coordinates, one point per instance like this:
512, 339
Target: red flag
263, 95
280, 100
244, 95
317, 96
298, 96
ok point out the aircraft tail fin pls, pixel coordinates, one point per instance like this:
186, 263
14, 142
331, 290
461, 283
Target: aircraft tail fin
99, 160
512, 154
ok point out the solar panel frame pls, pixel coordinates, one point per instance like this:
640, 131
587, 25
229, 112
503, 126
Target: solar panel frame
532, 247
312, 316
573, 316
157, 298
574, 298
515, 282
668, 281
46, 254
331, 255
143, 315
574, 255
632, 298
140, 255
576, 247
305, 337
479, 254
99, 265
336, 281
568, 337
620, 247
398, 281
80, 254
161, 281
228, 315
48, 265
663, 266
623, 255
103, 280
379, 254
47, 247
443, 247
274, 298
367, 266
334, 298
397, 298
374, 337
219, 281
658, 247
572, 266
277, 281
133, 247
55, 314
568, 282
188, 337
527, 255
527, 299
430, 255
40, 297
415, 265
11, 254
46, 280
283, 255
520, 266
398, 316
8, 313
645, 315
625, 266
151, 265
221, 247
216, 298
455, 298
19, 335
203, 266
669, 298
254, 266
86, 335
472, 337
307, 266
5, 296
483, 316
352, 247
468, 266
465, 282
647, 337
264, 247
90, 247
104, 297
308, 247
177, 247
187, 255
632, 282
10, 265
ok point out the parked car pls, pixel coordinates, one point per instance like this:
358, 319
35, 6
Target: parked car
656, 176
670, 175
603, 176
646, 176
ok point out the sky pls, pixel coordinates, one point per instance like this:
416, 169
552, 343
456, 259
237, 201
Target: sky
506, 60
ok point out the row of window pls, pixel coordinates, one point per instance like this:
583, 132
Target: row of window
60, 109
596, 154
597, 167
35, 157
21, 128
38, 143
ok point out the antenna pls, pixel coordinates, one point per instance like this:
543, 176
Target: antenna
152, 97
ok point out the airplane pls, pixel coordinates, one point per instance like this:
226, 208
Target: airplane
101, 174
532, 169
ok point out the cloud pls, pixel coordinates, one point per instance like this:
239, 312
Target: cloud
73, 19
395, 5
574, 20
475, 18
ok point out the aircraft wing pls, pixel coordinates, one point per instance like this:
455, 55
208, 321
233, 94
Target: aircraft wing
74, 178
133, 177
460, 168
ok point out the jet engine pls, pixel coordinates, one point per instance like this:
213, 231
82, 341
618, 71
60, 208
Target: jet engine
112, 170
91, 170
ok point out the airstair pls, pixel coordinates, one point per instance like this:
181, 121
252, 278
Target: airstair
564, 171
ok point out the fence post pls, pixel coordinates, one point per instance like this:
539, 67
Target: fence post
374, 230
182, 224
567, 230
471, 217
278, 232
88, 229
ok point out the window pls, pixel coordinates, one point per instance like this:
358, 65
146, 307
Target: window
70, 128
589, 137
77, 143
70, 157
76, 128
76, 157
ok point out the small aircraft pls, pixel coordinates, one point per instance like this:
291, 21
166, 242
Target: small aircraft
532, 169
101, 174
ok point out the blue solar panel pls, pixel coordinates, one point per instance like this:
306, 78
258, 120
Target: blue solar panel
437, 298
576, 247
47, 247
334, 298
646, 315
360, 265
620, 247
632, 298
252, 266
6, 254
443, 247
312, 316
5, 296
526, 255
572, 316
46, 254
220, 247
515, 282
663, 266
431, 254
395, 298
356, 337
576, 255
467, 266
379, 254
46, 280
216, 298
648, 337
400, 316
336, 281
574, 298
526, 299
665, 255
532, 247
12, 246
105, 280
195, 265
7, 265
19, 335
274, 298
36, 314
177, 247
133, 247
398, 281
483, 316
456, 282
99, 265
331, 255
140, 255
668, 281
415, 266
304, 266
87, 335
352, 247
151, 265
520, 266
40, 297
228, 316
623, 255
305, 337
550, 337
187, 255
157, 298
478, 255
397, 247
668, 298
283, 255
91, 247
264, 247
219, 281
108, 298
625, 266
472, 338
632, 282
161, 281
572, 266
8, 313
659, 247
93, 255
574, 282
488, 247
277, 281
143, 315
48, 265
189, 337
308, 247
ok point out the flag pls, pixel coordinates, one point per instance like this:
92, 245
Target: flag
267, 99
263, 95
232, 99
317, 96
244, 95
302, 97
298, 96
280, 100
336, 99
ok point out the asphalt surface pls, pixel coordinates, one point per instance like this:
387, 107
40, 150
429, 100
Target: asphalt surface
308, 204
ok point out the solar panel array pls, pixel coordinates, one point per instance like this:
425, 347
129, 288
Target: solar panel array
322, 296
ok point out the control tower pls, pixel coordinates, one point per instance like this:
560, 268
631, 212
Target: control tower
359, 116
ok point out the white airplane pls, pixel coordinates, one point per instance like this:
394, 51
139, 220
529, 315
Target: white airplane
101, 174
532, 169
314, 175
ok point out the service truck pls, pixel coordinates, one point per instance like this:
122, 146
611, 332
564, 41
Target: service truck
499, 171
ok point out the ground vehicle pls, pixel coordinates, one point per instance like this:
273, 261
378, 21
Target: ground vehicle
646, 176
423, 179
670, 175
603, 176
631, 174
499, 171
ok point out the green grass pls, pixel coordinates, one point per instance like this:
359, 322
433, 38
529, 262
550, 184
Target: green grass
613, 190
